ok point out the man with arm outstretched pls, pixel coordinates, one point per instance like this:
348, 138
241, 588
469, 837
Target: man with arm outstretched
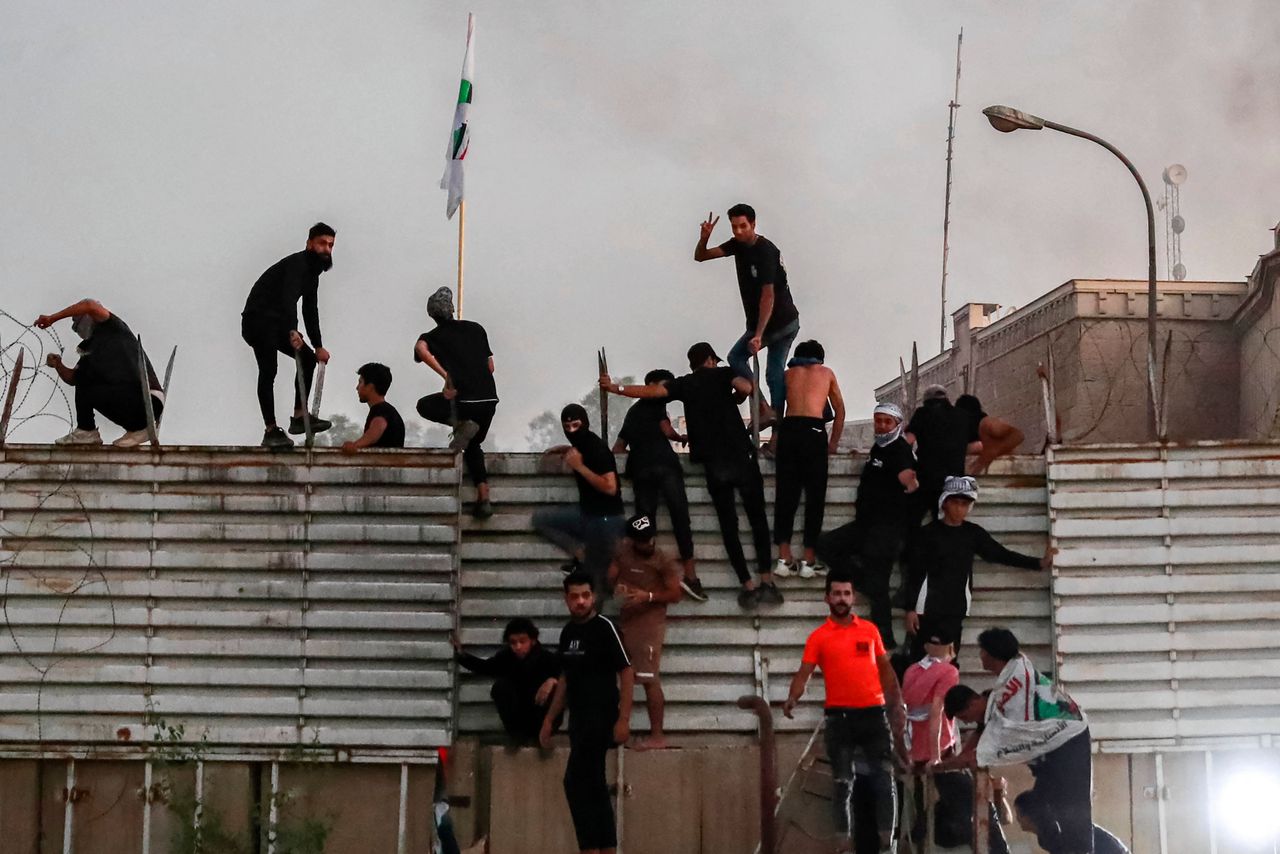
108, 376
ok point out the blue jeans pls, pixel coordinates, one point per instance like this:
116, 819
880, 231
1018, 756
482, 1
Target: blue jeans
571, 529
779, 346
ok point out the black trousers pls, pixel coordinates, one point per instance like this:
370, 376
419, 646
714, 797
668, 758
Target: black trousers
1064, 783
801, 467
866, 549
858, 736
585, 786
745, 478
521, 718
267, 340
436, 407
953, 812
119, 403
665, 484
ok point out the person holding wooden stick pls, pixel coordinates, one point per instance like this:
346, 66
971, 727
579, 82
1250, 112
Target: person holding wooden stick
269, 324
107, 378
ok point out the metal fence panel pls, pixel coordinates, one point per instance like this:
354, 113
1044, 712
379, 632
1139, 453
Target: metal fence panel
258, 601
715, 652
1166, 589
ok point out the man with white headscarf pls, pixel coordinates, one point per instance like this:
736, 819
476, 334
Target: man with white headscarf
458, 350
108, 376
867, 547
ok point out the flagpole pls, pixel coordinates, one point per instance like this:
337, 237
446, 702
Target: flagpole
462, 239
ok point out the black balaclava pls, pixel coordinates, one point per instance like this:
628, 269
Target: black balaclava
576, 411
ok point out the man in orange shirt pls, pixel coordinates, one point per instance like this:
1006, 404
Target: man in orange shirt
859, 680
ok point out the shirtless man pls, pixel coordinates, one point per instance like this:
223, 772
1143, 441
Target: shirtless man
803, 447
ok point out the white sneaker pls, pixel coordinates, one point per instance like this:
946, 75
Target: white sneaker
806, 569
80, 437
783, 569
132, 439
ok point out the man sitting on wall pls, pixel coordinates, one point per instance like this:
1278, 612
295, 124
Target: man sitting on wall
524, 674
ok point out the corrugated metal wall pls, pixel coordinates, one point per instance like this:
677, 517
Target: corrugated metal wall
1167, 594
257, 600
715, 652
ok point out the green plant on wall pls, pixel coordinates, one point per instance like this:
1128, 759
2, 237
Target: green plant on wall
200, 830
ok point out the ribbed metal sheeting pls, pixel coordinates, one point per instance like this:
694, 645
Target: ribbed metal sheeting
714, 651
259, 601
1167, 595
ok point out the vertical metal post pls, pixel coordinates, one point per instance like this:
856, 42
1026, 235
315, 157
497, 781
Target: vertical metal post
68, 845
146, 807
402, 824
1161, 817
273, 809
1209, 787
768, 772
946, 209
198, 815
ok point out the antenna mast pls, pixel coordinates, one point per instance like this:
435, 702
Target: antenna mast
946, 210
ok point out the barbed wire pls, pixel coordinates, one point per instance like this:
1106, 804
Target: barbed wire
41, 396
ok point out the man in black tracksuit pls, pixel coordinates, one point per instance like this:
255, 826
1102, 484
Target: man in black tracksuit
269, 324
524, 678
596, 685
939, 586
719, 440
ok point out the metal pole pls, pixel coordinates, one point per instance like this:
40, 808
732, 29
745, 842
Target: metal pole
68, 845
768, 771
1154, 422
462, 237
273, 810
402, 824
1161, 817
146, 808
946, 209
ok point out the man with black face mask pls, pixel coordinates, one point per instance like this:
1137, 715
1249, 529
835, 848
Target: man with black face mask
269, 324
107, 379
589, 532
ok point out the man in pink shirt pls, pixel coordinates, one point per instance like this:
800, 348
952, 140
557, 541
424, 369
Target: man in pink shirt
933, 738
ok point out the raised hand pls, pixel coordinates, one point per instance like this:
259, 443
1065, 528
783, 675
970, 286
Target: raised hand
44, 321
709, 226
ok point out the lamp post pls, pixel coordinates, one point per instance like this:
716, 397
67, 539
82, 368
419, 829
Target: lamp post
1007, 120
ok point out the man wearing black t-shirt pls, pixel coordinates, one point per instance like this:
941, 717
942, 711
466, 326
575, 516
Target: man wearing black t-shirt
269, 324
939, 584
590, 531
866, 548
655, 472
458, 350
596, 685
107, 377
771, 316
719, 440
943, 435
383, 428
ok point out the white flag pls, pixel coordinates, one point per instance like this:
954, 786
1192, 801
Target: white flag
460, 138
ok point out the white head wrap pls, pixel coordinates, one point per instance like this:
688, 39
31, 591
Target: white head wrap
892, 410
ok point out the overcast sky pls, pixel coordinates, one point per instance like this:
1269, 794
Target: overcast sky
159, 156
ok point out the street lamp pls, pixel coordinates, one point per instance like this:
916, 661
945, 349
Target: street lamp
1007, 120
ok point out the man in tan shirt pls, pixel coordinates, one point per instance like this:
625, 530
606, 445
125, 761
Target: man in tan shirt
646, 580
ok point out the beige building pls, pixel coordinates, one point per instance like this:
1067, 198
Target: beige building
1219, 345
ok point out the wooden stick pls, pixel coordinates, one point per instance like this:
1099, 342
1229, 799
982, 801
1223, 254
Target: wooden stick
602, 362
302, 395
152, 433
9, 396
755, 401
